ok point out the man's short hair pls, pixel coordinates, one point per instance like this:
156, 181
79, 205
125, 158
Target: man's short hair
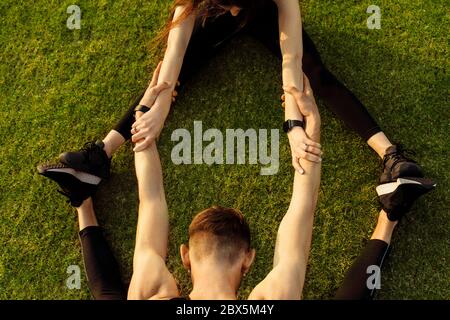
219, 231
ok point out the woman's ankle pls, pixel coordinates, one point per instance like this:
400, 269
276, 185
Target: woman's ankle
384, 229
86, 214
383, 219
379, 143
112, 142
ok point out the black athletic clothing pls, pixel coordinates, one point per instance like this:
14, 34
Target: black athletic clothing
102, 269
354, 286
209, 39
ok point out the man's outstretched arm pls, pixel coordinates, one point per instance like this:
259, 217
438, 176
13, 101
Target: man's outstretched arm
293, 243
151, 278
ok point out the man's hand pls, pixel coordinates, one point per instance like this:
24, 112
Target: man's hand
305, 142
148, 126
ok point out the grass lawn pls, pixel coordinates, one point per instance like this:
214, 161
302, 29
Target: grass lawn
60, 88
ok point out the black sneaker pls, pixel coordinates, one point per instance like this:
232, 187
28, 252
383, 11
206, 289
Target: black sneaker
91, 159
397, 165
397, 197
75, 185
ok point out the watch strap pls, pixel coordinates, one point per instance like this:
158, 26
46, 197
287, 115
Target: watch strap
141, 108
289, 124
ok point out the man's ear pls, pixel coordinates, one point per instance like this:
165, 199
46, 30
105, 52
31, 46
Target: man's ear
248, 260
184, 252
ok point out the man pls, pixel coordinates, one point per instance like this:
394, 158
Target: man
219, 254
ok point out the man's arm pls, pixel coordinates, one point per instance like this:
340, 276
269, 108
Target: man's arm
293, 243
151, 278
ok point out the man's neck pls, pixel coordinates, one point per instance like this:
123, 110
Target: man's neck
212, 282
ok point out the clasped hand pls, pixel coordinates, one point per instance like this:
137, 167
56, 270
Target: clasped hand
304, 142
147, 127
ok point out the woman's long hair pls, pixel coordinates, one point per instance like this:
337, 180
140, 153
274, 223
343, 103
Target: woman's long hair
203, 9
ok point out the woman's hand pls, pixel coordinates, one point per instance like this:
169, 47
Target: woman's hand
305, 142
148, 126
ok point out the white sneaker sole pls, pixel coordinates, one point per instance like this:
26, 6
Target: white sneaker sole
392, 186
82, 176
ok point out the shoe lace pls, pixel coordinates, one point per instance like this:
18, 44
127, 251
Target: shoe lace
89, 148
401, 155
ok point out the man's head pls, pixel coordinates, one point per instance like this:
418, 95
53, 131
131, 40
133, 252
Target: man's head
220, 236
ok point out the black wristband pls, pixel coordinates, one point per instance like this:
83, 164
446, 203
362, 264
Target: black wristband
141, 108
289, 124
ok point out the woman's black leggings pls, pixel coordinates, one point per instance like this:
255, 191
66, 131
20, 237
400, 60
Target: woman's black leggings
206, 41
105, 282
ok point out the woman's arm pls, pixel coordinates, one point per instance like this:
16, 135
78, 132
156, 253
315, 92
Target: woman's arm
290, 29
150, 124
291, 42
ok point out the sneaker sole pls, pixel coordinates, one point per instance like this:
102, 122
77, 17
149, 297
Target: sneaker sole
397, 198
82, 176
391, 187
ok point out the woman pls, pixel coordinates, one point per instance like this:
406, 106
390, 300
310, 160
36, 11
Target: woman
201, 28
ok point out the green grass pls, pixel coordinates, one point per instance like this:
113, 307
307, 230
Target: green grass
60, 88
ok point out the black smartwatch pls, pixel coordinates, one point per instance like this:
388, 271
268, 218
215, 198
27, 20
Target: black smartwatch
141, 108
289, 124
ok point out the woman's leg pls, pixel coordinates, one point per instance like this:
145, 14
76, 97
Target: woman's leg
355, 285
102, 269
264, 27
354, 114
341, 100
